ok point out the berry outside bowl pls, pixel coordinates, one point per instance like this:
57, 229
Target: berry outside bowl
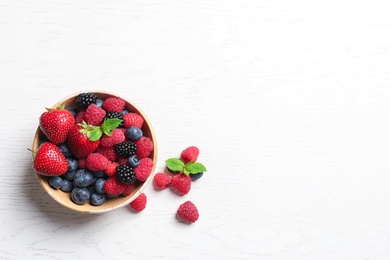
64, 198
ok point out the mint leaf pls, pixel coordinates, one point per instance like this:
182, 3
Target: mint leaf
175, 164
109, 125
195, 167
186, 171
95, 134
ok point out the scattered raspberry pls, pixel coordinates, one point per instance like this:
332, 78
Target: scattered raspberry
133, 119
94, 115
97, 162
114, 104
187, 212
82, 163
116, 137
108, 152
144, 169
139, 203
181, 183
129, 188
111, 168
162, 180
79, 117
190, 154
144, 146
113, 187
122, 160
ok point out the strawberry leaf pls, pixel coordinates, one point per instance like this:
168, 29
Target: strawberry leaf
95, 134
195, 167
175, 164
109, 125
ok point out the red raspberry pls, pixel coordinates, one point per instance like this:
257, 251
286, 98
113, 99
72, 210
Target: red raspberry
124, 133
79, 117
111, 168
187, 212
113, 187
181, 183
97, 162
132, 119
190, 154
123, 160
139, 203
162, 180
144, 169
94, 115
108, 152
82, 163
114, 104
116, 137
129, 188
144, 146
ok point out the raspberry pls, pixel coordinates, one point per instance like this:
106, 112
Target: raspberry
190, 154
126, 148
144, 146
113, 187
125, 174
94, 115
108, 152
122, 160
82, 163
79, 117
114, 104
162, 180
132, 119
144, 169
116, 137
181, 183
139, 203
97, 162
187, 212
111, 168
129, 188
124, 133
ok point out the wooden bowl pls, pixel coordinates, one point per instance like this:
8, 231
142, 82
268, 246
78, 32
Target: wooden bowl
63, 197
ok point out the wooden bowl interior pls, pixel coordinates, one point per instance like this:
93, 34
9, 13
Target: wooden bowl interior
110, 204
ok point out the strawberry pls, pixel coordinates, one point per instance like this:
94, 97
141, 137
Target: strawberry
187, 212
79, 143
55, 124
49, 160
190, 154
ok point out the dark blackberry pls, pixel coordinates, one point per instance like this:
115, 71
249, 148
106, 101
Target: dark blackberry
125, 174
126, 149
85, 99
118, 115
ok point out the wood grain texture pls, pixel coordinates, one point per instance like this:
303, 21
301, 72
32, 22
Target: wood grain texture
288, 102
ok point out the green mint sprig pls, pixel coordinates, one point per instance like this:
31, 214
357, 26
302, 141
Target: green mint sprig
94, 133
178, 165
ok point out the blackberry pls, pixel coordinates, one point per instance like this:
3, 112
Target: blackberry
125, 174
118, 115
126, 149
85, 99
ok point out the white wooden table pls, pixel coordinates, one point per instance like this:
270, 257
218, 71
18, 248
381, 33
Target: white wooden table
288, 102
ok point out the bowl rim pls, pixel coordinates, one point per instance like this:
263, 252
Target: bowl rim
87, 208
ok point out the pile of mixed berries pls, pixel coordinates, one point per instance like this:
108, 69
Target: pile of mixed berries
95, 150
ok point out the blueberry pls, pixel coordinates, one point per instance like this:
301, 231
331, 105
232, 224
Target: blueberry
69, 175
97, 199
74, 111
99, 174
66, 185
110, 196
72, 164
99, 102
125, 111
65, 150
99, 185
83, 178
80, 195
196, 176
134, 161
55, 182
134, 133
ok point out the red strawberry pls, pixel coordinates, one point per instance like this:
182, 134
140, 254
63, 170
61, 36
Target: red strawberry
187, 212
114, 104
79, 143
139, 203
97, 162
144, 146
181, 183
113, 187
49, 160
144, 169
55, 124
132, 119
162, 180
94, 115
190, 154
